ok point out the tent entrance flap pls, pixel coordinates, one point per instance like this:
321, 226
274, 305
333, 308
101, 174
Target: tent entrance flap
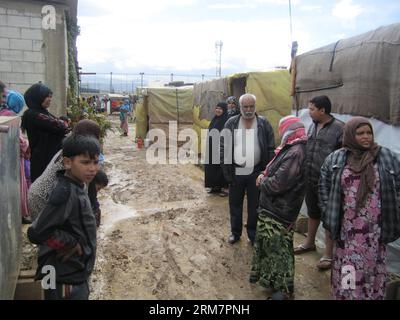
238, 86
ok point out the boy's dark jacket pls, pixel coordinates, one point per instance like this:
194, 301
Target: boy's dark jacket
66, 220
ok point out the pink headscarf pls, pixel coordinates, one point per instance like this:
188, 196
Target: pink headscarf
291, 129
286, 122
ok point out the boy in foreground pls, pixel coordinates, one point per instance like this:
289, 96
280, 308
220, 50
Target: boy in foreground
66, 229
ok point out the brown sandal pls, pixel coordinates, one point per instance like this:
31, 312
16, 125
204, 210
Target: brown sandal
324, 263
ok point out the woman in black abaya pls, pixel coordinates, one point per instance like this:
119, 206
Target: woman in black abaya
214, 179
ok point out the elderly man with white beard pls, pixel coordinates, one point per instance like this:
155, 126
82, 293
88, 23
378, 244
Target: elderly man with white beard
244, 153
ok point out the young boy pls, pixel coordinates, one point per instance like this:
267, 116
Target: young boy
66, 228
99, 182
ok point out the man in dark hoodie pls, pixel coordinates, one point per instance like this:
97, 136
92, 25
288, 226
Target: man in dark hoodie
66, 228
45, 131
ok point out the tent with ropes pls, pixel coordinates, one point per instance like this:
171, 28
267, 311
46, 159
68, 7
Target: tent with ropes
159, 106
361, 75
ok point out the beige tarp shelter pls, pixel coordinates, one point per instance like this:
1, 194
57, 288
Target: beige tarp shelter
272, 90
361, 75
161, 105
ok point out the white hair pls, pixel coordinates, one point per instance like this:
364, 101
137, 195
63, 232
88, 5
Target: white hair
246, 96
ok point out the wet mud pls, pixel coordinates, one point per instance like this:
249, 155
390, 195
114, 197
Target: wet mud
163, 237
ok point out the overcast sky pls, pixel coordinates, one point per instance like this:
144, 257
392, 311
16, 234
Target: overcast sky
163, 36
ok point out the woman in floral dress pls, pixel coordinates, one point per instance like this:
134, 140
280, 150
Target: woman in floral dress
359, 192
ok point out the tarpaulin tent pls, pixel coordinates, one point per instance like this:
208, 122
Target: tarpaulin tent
161, 105
207, 94
361, 75
272, 90
142, 120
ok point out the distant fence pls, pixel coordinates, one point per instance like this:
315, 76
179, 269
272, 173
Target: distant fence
128, 82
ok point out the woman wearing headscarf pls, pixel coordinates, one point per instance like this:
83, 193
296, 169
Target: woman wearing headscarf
40, 190
124, 111
233, 106
281, 196
14, 104
45, 131
214, 178
359, 191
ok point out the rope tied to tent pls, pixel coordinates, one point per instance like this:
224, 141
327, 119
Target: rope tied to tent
333, 56
333, 86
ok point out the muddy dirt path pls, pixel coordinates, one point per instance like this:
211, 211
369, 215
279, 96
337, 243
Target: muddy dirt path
163, 237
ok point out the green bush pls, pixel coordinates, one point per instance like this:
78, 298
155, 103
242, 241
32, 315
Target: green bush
77, 112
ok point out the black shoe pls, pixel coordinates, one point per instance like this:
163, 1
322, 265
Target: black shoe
223, 194
214, 190
26, 220
233, 239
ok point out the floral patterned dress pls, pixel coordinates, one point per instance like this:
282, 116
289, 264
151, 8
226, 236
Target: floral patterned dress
358, 253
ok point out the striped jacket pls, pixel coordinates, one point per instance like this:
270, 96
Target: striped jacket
331, 196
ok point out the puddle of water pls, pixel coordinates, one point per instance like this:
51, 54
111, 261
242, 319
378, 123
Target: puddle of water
117, 177
114, 213
130, 147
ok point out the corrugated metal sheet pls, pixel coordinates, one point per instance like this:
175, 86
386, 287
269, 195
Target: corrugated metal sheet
10, 216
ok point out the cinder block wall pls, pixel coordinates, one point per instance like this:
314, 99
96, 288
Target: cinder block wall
29, 53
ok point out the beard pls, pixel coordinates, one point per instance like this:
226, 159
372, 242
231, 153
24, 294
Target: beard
248, 115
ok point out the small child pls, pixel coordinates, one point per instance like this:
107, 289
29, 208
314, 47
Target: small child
67, 121
66, 228
99, 182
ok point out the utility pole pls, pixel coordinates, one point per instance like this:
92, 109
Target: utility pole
111, 85
290, 17
218, 49
141, 79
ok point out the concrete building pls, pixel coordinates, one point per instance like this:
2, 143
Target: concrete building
34, 46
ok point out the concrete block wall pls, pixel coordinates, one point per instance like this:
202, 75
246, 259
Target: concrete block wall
29, 54
22, 60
